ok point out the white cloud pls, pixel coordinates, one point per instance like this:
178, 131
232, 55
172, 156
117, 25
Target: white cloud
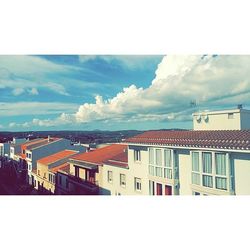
128, 61
57, 88
18, 91
33, 91
210, 81
36, 108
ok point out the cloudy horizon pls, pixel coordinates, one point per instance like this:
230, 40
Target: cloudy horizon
117, 92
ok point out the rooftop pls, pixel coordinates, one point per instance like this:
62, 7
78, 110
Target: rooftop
223, 139
119, 160
100, 155
65, 167
39, 142
57, 156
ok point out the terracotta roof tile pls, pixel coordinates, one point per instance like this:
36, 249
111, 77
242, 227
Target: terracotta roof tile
120, 160
228, 139
100, 155
57, 156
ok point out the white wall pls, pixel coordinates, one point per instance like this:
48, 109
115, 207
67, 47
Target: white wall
217, 121
185, 172
241, 164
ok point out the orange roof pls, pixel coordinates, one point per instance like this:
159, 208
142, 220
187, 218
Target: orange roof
56, 157
64, 167
101, 154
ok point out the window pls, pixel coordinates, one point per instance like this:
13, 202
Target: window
230, 115
137, 155
49, 177
151, 156
77, 172
123, 180
221, 171
207, 181
195, 168
23, 151
196, 178
158, 157
151, 187
207, 163
110, 176
137, 184
44, 175
196, 193
195, 162
167, 158
221, 183
220, 164
168, 173
158, 171
38, 172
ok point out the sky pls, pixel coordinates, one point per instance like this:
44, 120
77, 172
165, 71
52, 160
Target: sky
117, 92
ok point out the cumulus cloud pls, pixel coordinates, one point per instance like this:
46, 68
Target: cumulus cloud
212, 81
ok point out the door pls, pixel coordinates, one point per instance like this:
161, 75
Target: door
168, 190
158, 189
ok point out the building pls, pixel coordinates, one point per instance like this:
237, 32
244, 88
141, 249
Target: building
15, 148
44, 175
233, 119
34, 150
85, 175
5, 149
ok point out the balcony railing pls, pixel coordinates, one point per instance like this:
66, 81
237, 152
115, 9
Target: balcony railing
88, 185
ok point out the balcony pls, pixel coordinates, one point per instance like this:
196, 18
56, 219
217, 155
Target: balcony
87, 187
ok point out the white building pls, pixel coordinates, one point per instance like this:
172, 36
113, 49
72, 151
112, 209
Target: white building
15, 148
234, 119
5, 149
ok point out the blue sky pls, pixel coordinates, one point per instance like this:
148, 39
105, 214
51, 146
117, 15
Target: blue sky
115, 92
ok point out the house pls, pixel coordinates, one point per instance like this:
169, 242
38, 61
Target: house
15, 147
34, 150
5, 149
85, 174
198, 162
44, 175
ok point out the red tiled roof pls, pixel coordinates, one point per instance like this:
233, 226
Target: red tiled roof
227, 139
65, 167
57, 156
100, 155
120, 160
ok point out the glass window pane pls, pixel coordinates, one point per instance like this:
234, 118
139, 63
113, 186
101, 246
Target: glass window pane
207, 163
167, 158
207, 181
195, 162
221, 183
158, 157
158, 171
168, 173
220, 162
151, 155
196, 178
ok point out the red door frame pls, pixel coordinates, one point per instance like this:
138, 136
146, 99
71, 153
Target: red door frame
158, 189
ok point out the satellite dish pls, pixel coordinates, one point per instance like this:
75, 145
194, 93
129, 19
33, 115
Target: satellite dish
198, 118
205, 117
